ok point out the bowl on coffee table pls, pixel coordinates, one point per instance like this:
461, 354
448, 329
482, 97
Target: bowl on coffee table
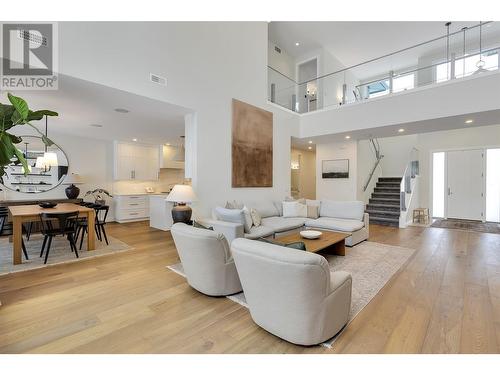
310, 234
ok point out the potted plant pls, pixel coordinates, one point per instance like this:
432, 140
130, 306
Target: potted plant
17, 113
98, 194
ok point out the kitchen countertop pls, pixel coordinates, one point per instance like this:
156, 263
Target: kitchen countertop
125, 194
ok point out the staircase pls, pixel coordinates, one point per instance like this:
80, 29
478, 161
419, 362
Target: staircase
384, 205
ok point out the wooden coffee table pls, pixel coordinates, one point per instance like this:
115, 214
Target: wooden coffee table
332, 242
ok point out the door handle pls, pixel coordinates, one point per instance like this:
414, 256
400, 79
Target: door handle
449, 191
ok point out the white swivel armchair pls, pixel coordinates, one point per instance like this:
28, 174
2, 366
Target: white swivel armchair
206, 259
291, 293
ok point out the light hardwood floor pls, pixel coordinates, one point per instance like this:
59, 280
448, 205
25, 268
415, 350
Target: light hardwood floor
445, 300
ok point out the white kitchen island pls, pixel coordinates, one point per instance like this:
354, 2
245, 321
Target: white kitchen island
160, 212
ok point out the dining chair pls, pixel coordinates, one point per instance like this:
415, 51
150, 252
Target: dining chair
4, 216
58, 223
101, 214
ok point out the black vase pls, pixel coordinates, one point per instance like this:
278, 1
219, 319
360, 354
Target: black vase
181, 213
72, 192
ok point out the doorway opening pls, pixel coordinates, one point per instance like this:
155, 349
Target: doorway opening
303, 170
307, 92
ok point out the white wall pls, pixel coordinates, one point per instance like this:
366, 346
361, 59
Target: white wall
206, 65
282, 62
337, 188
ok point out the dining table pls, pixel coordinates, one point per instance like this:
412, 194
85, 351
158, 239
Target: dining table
29, 213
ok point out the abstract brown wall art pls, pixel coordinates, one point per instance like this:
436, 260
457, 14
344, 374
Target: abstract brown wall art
252, 147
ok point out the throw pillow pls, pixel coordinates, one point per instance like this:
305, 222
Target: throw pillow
312, 212
229, 215
233, 205
248, 219
294, 245
257, 220
201, 226
294, 209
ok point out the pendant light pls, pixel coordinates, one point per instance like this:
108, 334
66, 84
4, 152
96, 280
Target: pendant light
49, 159
481, 63
26, 156
181, 152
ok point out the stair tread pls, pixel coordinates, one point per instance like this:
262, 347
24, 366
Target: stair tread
386, 219
384, 205
382, 212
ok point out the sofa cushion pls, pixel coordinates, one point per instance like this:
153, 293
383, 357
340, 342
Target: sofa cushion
312, 212
282, 224
294, 209
257, 232
256, 218
342, 225
230, 215
248, 219
342, 209
265, 208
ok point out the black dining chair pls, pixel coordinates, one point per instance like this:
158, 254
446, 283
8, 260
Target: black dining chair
101, 213
58, 223
4, 216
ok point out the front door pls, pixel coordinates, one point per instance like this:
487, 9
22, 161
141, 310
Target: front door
465, 184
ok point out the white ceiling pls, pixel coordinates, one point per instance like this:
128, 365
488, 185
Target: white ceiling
82, 103
355, 42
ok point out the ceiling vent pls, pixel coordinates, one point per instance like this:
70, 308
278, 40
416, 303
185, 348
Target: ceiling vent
157, 79
32, 37
277, 49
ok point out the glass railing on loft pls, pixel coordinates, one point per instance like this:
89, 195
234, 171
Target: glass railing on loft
470, 51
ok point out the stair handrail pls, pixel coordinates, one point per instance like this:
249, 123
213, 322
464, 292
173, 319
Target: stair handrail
378, 157
411, 170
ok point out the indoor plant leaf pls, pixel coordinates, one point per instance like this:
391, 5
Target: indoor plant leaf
20, 105
38, 115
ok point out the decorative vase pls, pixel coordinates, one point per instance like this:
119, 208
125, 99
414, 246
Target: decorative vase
72, 192
181, 213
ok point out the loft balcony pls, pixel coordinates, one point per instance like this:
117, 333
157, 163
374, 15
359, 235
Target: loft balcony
460, 56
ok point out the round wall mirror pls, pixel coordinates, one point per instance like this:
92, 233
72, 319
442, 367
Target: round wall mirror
47, 167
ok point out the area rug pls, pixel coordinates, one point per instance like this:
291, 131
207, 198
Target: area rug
469, 225
60, 252
371, 265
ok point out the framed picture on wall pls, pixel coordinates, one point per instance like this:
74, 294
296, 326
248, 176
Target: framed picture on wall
338, 168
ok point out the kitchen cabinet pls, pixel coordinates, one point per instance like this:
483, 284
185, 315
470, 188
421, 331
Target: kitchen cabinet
131, 207
167, 155
134, 161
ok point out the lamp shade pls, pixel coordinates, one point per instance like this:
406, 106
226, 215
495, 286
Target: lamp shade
181, 194
50, 159
73, 179
40, 162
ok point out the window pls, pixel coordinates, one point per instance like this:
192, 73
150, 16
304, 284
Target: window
466, 66
402, 83
379, 88
438, 184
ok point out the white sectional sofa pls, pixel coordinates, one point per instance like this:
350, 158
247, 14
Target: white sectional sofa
335, 216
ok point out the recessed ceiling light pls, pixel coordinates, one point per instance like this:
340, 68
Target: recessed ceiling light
470, 121
96, 125
121, 110
134, 139
167, 144
310, 148
347, 137
401, 130
310, 142
297, 44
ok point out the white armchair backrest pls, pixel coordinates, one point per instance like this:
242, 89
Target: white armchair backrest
290, 282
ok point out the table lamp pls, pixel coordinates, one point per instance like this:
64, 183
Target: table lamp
72, 191
181, 194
